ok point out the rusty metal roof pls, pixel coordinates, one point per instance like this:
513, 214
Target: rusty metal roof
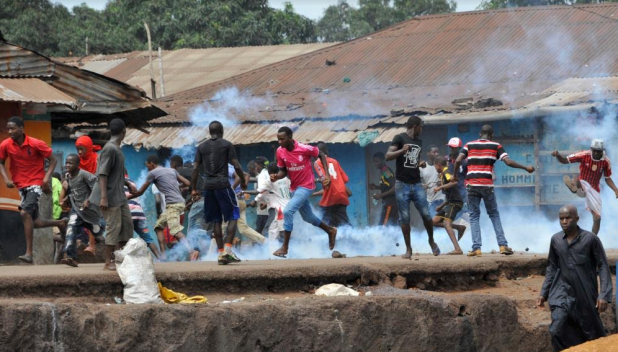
74, 93
189, 68
33, 90
512, 55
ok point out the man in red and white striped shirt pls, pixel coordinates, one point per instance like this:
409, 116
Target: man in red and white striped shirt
482, 154
593, 164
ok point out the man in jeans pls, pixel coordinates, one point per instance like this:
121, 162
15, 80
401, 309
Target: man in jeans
294, 161
482, 155
406, 149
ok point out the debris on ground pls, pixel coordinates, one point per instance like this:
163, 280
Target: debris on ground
137, 274
337, 254
172, 297
332, 290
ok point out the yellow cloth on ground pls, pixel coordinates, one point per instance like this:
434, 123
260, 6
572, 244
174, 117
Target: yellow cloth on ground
170, 296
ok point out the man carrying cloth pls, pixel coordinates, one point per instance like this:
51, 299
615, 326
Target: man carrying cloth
335, 198
28, 174
294, 161
593, 164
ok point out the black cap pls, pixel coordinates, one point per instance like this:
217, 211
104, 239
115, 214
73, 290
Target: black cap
262, 161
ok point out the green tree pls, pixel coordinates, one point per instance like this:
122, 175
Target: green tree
342, 22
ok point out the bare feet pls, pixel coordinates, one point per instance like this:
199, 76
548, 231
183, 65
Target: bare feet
282, 252
110, 267
460, 234
332, 238
455, 252
408, 255
26, 258
195, 255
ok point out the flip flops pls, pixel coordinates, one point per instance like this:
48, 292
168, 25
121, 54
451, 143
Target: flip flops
26, 258
69, 262
435, 249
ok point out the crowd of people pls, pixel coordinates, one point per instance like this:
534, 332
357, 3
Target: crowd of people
102, 204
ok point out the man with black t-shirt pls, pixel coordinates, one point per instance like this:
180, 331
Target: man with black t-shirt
220, 203
482, 154
406, 148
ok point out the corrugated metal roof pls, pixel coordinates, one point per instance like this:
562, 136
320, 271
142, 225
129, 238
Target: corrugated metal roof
33, 90
189, 68
88, 94
511, 55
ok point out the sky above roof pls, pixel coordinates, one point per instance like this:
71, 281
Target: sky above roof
312, 9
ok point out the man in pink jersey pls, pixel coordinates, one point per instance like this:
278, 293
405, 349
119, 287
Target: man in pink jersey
294, 161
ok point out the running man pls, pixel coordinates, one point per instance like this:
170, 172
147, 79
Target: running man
76, 190
294, 161
447, 211
277, 195
108, 194
593, 164
335, 198
431, 179
482, 154
390, 213
139, 219
406, 149
28, 175
220, 202
576, 260
167, 181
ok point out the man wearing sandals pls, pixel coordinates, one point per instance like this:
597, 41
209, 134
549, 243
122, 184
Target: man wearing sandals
406, 149
452, 205
482, 154
294, 162
28, 175
593, 164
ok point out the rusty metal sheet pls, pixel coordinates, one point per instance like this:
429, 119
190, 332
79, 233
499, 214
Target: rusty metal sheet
512, 55
33, 90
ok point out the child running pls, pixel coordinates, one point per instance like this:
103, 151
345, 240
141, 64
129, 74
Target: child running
447, 211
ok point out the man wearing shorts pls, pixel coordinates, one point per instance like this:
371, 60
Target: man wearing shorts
28, 175
167, 181
406, 149
220, 203
452, 205
294, 162
593, 164
108, 194
139, 220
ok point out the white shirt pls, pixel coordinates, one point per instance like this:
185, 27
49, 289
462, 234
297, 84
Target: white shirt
431, 179
262, 178
278, 193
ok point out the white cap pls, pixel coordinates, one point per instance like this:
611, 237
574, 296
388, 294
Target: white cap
454, 142
597, 144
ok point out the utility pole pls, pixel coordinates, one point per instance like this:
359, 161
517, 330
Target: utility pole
86, 46
161, 79
153, 83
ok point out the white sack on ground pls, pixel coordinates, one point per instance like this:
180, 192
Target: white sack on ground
137, 273
332, 290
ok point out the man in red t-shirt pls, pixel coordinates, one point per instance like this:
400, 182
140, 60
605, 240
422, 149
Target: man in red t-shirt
334, 198
294, 162
593, 164
28, 175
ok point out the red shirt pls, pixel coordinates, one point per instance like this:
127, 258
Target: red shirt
591, 170
298, 164
27, 162
336, 193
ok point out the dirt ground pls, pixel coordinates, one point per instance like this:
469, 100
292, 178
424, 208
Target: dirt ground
430, 303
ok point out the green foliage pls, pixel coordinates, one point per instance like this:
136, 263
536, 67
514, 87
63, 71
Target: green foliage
55, 31
342, 22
